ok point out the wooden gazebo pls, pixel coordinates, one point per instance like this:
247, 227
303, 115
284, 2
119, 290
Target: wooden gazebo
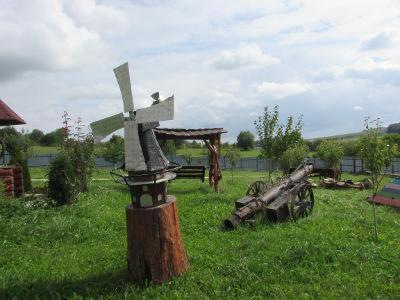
210, 136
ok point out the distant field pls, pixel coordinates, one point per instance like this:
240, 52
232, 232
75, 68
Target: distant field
203, 152
45, 149
37, 150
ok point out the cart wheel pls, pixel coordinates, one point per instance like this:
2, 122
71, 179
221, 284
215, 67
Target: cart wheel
256, 188
302, 204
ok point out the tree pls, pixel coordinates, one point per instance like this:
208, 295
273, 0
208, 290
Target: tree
36, 135
293, 157
276, 138
377, 155
392, 139
350, 147
233, 155
54, 138
394, 128
245, 140
331, 153
113, 151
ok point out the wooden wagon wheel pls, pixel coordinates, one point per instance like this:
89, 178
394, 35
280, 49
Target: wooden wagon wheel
302, 204
256, 188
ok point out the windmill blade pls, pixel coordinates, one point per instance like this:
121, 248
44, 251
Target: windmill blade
124, 82
106, 126
161, 111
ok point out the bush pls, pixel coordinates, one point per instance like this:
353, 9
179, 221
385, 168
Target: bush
331, 153
61, 180
83, 161
293, 157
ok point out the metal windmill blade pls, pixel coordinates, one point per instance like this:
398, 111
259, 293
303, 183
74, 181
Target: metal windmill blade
124, 82
106, 126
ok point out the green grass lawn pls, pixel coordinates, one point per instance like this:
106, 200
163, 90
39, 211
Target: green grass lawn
79, 251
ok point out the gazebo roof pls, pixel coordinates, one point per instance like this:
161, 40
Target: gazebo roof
8, 116
188, 134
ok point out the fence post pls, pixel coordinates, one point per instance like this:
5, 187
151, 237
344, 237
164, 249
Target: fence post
241, 163
257, 162
393, 167
354, 165
362, 166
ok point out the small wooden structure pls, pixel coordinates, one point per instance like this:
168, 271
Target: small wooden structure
210, 136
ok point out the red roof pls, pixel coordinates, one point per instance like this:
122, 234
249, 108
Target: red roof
8, 116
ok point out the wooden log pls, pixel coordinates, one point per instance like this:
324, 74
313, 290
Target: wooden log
155, 248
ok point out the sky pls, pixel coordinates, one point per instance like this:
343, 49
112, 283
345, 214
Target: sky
334, 62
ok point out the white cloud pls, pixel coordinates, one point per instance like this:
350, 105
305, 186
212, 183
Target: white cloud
379, 41
247, 55
173, 47
282, 90
39, 35
358, 108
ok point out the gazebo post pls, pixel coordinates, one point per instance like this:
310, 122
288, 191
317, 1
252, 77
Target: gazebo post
212, 163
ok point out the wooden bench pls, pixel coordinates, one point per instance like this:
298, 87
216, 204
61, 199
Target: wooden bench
192, 172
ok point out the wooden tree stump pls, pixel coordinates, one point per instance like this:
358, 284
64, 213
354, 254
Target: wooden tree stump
155, 248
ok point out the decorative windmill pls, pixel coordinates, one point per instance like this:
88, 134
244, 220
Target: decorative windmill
144, 160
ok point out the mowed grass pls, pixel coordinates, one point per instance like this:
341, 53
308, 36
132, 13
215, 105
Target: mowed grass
79, 251
38, 150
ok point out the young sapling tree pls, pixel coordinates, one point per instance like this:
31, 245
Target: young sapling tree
377, 156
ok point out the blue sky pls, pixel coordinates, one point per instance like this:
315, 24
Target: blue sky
334, 62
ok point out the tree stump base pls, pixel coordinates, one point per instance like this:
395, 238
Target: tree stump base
155, 248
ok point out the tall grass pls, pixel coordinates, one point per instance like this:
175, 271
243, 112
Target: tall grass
79, 250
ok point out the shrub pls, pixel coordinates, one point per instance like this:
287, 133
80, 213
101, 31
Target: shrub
293, 157
61, 180
331, 153
79, 148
